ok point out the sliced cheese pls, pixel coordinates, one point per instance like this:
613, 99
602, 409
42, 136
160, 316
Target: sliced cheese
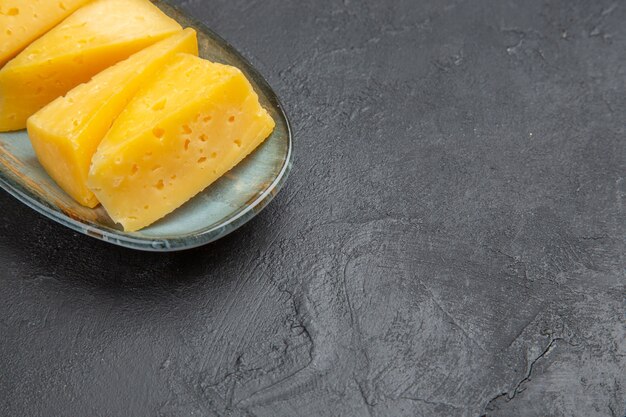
66, 133
23, 21
95, 37
183, 131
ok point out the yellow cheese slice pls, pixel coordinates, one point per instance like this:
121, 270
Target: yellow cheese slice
66, 133
183, 131
95, 37
23, 21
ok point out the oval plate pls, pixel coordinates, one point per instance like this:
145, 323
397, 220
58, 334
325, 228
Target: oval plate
220, 209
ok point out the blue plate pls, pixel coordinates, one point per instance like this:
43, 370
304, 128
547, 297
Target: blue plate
220, 209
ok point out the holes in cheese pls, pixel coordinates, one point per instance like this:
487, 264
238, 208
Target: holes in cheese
158, 132
93, 38
24, 21
67, 132
210, 123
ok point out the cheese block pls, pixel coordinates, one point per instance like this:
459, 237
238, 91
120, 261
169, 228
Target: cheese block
66, 133
23, 21
95, 37
183, 131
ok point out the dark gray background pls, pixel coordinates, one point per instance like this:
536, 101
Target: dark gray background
450, 242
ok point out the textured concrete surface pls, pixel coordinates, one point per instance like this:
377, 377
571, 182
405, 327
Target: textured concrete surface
451, 241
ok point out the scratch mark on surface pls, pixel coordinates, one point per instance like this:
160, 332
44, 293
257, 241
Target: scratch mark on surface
508, 397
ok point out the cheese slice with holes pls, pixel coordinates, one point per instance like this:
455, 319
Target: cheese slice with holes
66, 133
183, 131
93, 38
23, 21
